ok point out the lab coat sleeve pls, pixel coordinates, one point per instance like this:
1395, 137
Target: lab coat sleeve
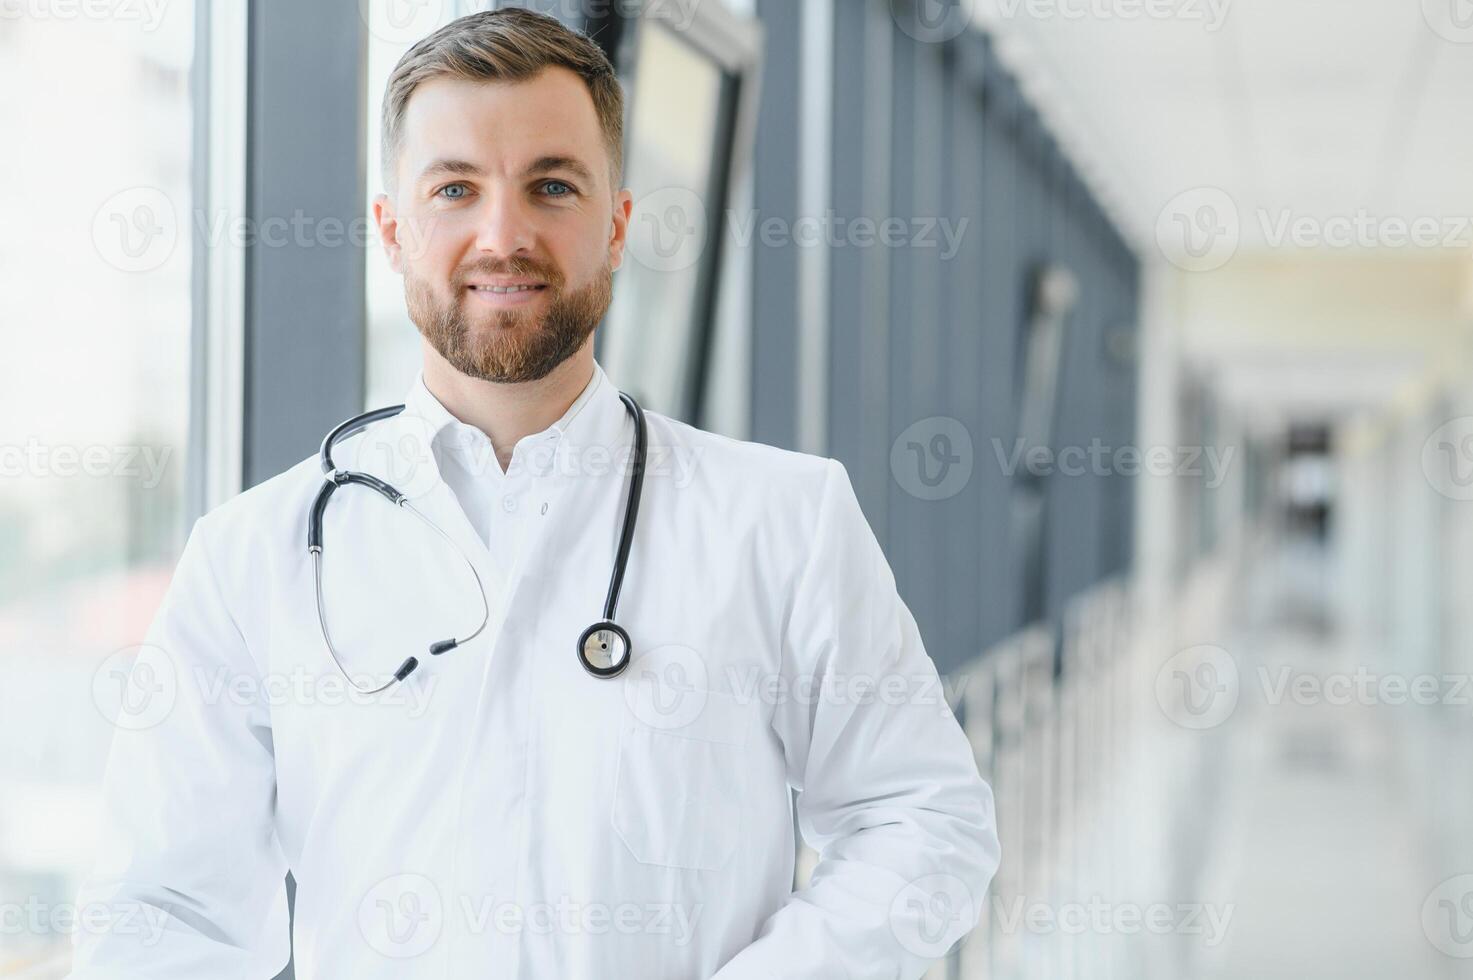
889, 791
189, 880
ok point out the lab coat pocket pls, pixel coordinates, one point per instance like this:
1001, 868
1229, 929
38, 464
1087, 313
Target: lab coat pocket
679, 794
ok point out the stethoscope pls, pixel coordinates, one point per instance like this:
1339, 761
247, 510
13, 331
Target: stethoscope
603, 648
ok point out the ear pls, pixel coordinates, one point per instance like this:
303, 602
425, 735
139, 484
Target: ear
388, 231
623, 206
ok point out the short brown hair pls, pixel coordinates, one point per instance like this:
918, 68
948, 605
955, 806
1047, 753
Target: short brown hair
506, 45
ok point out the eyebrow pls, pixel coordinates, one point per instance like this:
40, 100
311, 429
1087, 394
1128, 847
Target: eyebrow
456, 168
542, 165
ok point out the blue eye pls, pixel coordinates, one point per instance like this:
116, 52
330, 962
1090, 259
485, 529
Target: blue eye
567, 189
453, 187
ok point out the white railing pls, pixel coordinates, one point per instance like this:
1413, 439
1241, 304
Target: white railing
1076, 759
1046, 744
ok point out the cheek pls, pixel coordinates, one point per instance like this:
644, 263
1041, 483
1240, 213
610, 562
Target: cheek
581, 254
431, 241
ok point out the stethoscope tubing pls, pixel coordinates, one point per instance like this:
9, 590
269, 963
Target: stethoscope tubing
631, 508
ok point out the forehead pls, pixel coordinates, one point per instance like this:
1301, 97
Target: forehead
501, 125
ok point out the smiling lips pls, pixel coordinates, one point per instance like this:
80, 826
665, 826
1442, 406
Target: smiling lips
506, 294
502, 290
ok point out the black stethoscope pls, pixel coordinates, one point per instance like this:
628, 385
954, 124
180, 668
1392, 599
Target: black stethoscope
603, 648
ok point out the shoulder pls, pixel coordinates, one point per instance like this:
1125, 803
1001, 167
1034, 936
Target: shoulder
256, 538
725, 466
273, 512
751, 490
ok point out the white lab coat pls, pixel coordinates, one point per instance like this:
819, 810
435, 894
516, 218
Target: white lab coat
502, 813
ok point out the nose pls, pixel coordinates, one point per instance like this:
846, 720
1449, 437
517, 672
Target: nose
505, 225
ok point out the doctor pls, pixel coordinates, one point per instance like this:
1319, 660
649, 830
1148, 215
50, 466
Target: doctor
502, 809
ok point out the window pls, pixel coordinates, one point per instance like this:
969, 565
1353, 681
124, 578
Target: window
680, 121
95, 308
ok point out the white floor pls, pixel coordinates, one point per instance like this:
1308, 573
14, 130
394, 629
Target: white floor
1320, 846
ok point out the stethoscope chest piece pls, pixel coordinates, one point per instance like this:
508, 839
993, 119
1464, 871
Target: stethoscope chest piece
603, 649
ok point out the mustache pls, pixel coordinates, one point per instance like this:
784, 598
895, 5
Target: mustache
517, 266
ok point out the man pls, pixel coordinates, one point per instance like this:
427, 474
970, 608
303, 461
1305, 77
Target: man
501, 811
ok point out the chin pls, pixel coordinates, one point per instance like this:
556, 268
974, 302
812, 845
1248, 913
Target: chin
506, 321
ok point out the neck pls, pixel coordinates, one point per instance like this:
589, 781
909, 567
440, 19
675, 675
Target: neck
508, 411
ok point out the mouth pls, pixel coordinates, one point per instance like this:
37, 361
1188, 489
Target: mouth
506, 294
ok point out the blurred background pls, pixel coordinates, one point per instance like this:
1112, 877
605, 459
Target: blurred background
1141, 326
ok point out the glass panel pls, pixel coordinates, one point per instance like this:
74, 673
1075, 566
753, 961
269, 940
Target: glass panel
655, 319
94, 413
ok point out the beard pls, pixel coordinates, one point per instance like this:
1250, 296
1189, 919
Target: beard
509, 346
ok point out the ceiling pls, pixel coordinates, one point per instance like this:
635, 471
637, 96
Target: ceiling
1276, 112
1318, 108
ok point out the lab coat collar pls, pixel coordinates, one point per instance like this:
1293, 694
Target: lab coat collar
436, 423
594, 432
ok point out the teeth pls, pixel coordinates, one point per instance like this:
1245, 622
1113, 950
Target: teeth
504, 289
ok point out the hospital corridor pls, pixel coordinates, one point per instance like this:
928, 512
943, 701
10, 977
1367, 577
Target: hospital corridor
1021, 451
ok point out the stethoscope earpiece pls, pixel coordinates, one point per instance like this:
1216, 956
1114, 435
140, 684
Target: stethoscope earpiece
603, 649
